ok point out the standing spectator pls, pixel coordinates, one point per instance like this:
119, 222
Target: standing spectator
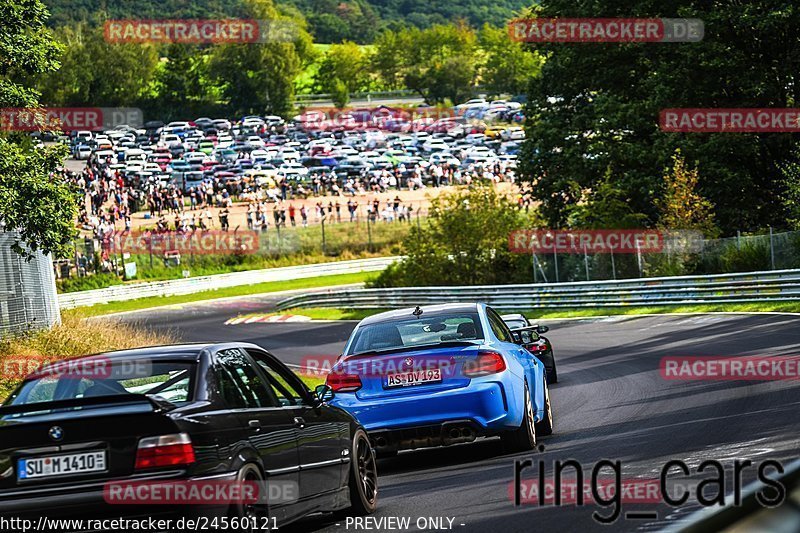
304, 215
223, 219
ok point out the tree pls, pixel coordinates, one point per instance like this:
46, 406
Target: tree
390, 48
464, 243
509, 65
439, 63
32, 202
97, 73
340, 94
790, 171
607, 208
682, 207
344, 65
259, 78
181, 84
596, 106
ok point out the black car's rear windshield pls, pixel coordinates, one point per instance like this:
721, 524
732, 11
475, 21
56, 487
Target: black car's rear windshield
172, 381
515, 323
413, 331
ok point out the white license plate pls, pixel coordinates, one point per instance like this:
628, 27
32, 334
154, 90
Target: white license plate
61, 465
416, 377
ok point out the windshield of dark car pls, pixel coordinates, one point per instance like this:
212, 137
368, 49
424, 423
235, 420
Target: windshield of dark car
416, 331
169, 381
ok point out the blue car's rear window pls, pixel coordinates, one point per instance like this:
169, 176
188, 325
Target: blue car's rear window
417, 331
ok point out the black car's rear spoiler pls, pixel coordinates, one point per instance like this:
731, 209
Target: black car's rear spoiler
39, 407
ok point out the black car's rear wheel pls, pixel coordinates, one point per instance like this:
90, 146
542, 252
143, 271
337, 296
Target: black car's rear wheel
549, 360
249, 512
363, 476
523, 438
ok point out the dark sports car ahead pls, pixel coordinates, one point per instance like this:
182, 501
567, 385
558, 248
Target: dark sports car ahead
78, 436
534, 342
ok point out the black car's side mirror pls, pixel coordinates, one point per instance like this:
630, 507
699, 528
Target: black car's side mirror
323, 393
542, 329
525, 335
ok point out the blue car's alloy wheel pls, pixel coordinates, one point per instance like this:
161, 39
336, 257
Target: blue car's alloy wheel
545, 427
523, 438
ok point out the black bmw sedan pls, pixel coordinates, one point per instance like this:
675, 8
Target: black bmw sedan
192, 424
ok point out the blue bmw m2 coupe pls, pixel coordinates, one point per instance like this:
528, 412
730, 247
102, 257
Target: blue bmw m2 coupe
441, 375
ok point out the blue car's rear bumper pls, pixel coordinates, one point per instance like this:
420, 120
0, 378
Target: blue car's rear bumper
483, 407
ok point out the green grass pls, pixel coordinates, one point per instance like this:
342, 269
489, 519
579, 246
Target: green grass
244, 290
311, 381
321, 313
788, 307
297, 246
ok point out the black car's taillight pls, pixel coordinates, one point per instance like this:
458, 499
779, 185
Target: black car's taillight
164, 450
486, 363
536, 347
340, 381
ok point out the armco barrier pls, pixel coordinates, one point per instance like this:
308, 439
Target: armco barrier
134, 291
751, 515
776, 286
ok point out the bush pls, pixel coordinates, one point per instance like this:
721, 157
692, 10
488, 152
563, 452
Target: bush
96, 281
464, 243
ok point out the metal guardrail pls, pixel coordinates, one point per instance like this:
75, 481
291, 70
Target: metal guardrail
133, 291
775, 286
375, 95
751, 515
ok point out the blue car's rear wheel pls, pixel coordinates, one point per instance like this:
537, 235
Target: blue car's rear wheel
523, 438
545, 427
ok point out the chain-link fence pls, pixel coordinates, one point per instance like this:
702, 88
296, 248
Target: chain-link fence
27, 290
95, 264
743, 253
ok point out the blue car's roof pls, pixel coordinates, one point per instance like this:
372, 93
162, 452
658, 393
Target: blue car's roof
388, 315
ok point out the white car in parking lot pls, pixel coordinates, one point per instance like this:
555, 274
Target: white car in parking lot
443, 158
292, 168
435, 145
82, 152
475, 138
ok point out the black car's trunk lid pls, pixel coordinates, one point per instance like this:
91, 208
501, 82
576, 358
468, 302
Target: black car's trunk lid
89, 431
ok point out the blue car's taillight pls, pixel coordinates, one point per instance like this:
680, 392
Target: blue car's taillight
486, 363
340, 381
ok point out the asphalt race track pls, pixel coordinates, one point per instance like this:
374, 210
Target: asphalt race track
611, 403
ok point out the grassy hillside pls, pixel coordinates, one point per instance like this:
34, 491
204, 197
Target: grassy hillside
329, 20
